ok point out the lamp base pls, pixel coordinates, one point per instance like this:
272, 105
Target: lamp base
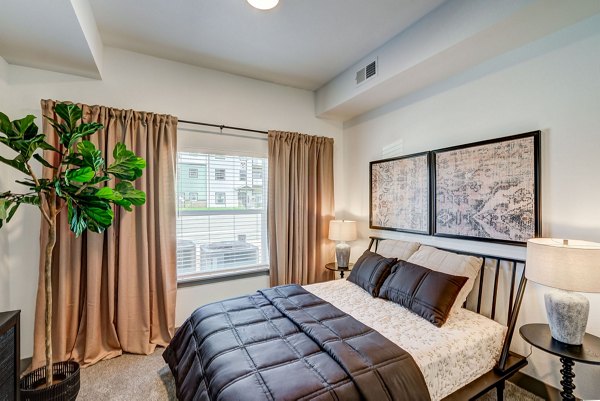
342, 255
567, 315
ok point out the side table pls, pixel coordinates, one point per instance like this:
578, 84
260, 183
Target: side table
334, 267
539, 336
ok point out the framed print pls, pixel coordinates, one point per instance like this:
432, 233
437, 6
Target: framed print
400, 194
488, 191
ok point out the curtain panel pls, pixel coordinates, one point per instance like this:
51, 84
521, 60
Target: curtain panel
115, 292
301, 204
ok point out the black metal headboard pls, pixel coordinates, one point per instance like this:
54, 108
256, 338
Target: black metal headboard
514, 299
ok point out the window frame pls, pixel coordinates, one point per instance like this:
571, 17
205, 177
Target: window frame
220, 170
220, 198
261, 269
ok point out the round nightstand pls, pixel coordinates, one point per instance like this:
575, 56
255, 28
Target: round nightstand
539, 336
334, 267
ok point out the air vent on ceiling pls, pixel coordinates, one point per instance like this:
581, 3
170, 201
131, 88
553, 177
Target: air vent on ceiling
367, 72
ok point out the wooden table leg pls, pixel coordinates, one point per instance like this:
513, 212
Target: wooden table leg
567, 379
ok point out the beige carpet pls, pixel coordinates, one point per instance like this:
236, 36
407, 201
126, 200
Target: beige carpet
128, 378
147, 378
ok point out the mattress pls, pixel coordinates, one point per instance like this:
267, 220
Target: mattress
465, 347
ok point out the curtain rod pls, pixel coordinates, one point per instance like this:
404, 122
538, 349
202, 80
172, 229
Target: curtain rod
223, 126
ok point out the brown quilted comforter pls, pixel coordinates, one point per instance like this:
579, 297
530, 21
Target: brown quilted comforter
285, 343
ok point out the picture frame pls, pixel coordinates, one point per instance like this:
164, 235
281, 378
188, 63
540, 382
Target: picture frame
488, 190
400, 194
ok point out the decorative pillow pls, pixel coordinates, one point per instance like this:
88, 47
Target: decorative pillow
428, 293
370, 271
402, 250
449, 263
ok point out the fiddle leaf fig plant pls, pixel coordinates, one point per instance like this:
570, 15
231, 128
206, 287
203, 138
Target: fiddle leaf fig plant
78, 183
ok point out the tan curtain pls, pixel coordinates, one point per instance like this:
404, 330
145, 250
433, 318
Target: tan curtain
115, 292
301, 204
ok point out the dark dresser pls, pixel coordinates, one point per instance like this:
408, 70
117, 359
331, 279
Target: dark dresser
9, 356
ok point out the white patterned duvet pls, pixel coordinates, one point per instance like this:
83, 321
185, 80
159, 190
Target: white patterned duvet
464, 348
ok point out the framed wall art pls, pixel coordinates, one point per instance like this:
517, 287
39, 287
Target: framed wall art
488, 191
400, 194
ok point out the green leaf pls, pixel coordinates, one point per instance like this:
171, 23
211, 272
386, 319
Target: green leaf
70, 113
109, 194
26, 127
73, 159
17, 163
43, 161
58, 188
127, 166
5, 124
46, 146
12, 212
4, 204
99, 179
124, 203
82, 131
89, 213
90, 156
129, 193
83, 174
98, 219
77, 223
63, 132
30, 200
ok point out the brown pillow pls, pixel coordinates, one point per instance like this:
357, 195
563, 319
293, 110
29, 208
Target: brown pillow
370, 271
428, 293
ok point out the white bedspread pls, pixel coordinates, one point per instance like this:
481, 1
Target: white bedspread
464, 348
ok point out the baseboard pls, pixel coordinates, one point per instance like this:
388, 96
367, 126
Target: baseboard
534, 386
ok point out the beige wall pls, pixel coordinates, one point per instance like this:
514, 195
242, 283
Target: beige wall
134, 81
553, 86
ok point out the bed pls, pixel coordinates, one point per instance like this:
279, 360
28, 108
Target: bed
333, 340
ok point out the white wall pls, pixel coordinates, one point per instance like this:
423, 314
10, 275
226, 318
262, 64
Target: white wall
134, 81
554, 86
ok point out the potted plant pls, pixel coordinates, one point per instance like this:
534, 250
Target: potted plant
77, 185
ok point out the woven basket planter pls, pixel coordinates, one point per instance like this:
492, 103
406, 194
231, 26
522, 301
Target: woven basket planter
65, 387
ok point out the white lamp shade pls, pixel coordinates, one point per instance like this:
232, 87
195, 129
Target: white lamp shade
342, 230
565, 264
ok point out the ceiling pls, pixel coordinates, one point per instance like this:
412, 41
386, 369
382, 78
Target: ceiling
46, 34
316, 45
300, 43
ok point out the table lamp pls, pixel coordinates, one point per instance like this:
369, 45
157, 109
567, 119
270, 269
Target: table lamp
567, 265
342, 231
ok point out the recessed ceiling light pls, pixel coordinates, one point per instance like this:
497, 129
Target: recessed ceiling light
263, 4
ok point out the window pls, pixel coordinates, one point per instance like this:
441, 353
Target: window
257, 172
220, 174
193, 173
220, 198
243, 175
221, 220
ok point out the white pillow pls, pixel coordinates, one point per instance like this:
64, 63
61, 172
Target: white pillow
391, 248
449, 263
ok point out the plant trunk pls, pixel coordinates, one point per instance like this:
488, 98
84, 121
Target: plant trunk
48, 287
